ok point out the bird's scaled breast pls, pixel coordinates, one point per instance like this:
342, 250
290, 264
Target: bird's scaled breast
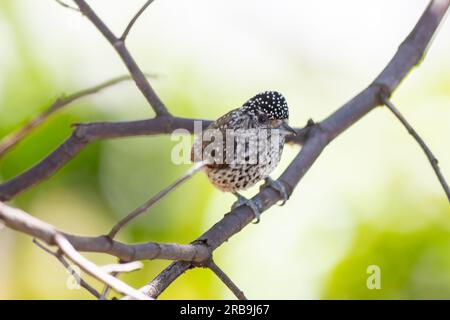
240, 175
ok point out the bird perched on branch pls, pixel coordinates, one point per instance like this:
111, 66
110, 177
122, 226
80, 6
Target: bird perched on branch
236, 151
247, 147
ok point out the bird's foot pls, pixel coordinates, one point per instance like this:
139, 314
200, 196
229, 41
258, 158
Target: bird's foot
242, 201
279, 186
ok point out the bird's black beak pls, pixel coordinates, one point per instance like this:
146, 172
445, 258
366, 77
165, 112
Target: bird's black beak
287, 129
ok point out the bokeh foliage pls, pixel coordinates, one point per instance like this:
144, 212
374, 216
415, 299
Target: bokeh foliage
391, 212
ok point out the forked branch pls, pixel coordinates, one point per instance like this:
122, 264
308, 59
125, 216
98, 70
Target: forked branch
11, 140
131, 24
119, 45
422, 144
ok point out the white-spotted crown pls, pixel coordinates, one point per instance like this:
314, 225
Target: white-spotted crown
272, 103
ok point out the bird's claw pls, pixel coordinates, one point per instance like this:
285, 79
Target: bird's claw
242, 201
279, 186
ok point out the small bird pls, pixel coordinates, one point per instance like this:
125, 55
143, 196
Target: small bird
261, 125
247, 147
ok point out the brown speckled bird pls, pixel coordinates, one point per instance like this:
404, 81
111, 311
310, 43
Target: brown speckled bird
247, 146
261, 125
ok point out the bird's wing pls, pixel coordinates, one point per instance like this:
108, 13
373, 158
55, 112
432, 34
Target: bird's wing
204, 148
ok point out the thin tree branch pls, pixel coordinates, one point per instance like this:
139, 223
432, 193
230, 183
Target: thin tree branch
115, 270
107, 289
226, 280
154, 200
155, 287
84, 134
93, 270
11, 140
119, 45
409, 54
65, 5
122, 267
136, 16
66, 265
422, 144
21, 221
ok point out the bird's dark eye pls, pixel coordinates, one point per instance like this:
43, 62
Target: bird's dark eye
262, 118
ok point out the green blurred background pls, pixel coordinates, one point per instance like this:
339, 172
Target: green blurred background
370, 199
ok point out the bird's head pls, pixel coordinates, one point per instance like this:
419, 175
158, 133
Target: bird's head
269, 110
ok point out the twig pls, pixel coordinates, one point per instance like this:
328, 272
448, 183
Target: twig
107, 289
119, 45
115, 270
11, 140
154, 200
64, 262
226, 280
136, 16
95, 271
99, 273
422, 144
65, 5
164, 279
122, 267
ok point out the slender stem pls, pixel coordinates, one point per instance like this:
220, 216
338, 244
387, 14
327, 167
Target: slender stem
107, 289
136, 16
122, 267
11, 140
95, 271
119, 45
115, 270
226, 280
154, 200
64, 262
421, 142
65, 5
